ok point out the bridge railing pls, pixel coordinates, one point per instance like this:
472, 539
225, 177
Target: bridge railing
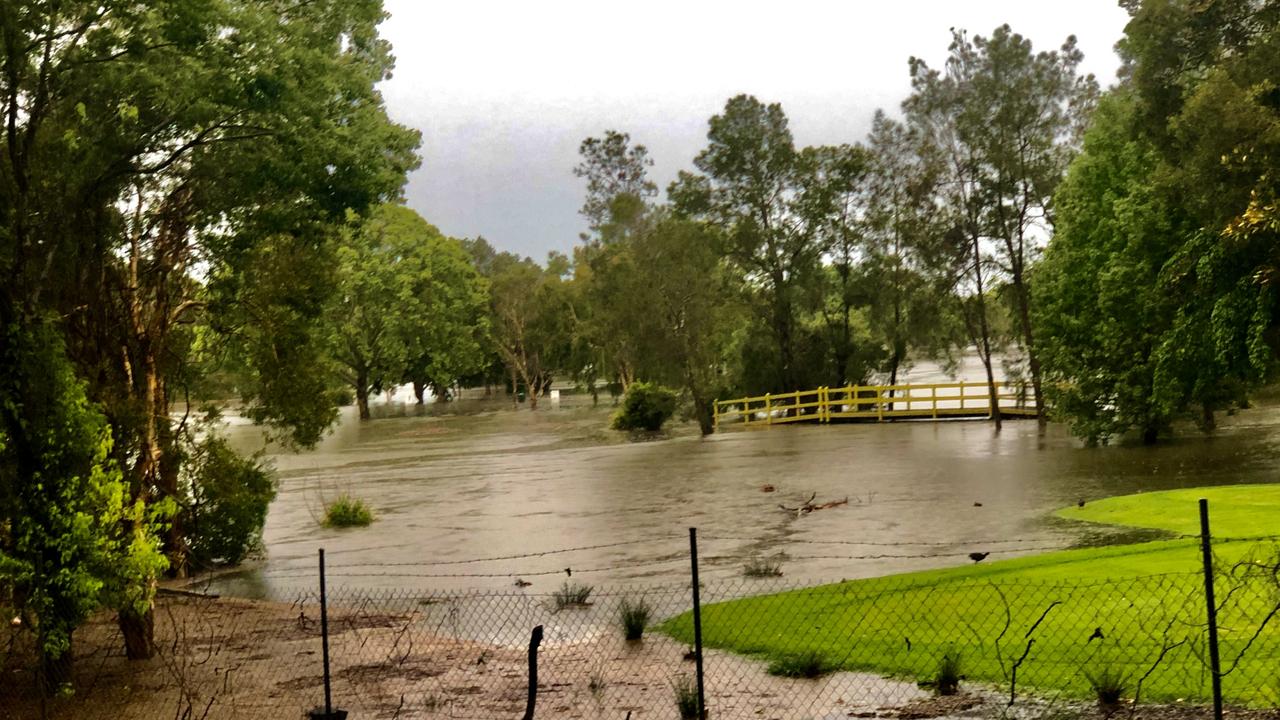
877, 402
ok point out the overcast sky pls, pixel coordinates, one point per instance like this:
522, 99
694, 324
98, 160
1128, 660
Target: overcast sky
504, 92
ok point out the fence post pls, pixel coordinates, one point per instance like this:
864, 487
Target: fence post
697, 624
535, 639
1215, 666
768, 409
329, 713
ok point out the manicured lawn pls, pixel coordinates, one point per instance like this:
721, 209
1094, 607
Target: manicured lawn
1140, 598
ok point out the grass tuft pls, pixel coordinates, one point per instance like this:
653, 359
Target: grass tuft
686, 695
804, 664
634, 616
572, 594
947, 680
1108, 686
347, 511
762, 567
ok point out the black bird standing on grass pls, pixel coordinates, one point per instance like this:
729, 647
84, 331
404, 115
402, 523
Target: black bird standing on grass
978, 557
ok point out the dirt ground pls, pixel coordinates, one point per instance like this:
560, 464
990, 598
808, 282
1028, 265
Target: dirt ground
230, 658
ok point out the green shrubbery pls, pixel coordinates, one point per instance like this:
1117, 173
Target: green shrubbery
229, 495
347, 511
646, 407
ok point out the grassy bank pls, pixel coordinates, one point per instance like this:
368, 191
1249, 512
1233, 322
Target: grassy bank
1067, 615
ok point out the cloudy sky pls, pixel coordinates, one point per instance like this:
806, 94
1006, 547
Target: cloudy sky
504, 92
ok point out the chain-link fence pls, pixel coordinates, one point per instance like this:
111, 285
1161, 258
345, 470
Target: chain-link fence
901, 646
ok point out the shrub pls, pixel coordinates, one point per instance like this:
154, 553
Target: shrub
947, 679
762, 567
571, 594
805, 664
1108, 686
634, 617
346, 511
645, 407
686, 694
228, 499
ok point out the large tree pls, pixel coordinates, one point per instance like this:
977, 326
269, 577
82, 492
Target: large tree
1007, 120
150, 147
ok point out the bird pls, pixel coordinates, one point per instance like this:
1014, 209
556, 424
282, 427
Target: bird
1080, 502
568, 572
522, 583
978, 557
1097, 635
977, 504
767, 488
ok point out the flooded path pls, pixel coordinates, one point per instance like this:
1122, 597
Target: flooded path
479, 481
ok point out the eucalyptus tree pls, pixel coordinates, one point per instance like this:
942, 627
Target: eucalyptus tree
1006, 121
756, 188
531, 321
167, 161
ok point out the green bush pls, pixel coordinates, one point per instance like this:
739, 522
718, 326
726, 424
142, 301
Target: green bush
645, 407
947, 679
571, 595
228, 499
347, 511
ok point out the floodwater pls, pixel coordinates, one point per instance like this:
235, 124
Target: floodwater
473, 480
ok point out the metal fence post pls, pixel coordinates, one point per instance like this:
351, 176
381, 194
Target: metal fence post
1215, 666
531, 700
329, 713
697, 624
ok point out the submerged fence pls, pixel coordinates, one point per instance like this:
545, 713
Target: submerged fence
899, 646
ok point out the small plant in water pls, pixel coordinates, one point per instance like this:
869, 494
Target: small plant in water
1108, 686
805, 664
634, 616
947, 679
762, 567
571, 594
347, 511
686, 694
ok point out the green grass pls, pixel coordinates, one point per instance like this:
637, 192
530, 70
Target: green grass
901, 625
347, 511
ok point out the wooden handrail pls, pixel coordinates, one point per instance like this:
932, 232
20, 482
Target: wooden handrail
878, 402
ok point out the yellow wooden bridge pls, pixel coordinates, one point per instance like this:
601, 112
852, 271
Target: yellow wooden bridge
877, 403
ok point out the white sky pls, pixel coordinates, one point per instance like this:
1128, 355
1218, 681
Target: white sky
504, 92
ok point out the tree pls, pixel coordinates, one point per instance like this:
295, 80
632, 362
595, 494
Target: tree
146, 146
530, 320
1006, 119
1099, 304
902, 252
409, 306
618, 185
769, 203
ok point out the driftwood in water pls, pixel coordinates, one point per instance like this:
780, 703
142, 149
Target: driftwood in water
808, 506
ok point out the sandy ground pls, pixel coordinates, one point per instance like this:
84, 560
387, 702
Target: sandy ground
231, 658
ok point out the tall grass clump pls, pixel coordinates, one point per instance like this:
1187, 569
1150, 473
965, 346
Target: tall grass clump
571, 595
635, 617
686, 695
347, 511
1108, 686
762, 567
946, 681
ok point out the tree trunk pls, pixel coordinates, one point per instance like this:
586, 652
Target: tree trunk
534, 390
894, 362
1033, 360
362, 395
702, 410
419, 389
1150, 434
56, 671
984, 330
138, 632
1207, 421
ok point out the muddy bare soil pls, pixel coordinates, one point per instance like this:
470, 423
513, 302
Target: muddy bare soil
232, 658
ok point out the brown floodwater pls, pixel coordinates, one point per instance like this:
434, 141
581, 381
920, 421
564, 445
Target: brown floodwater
474, 480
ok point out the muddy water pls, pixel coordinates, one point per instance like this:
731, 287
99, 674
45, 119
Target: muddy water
478, 481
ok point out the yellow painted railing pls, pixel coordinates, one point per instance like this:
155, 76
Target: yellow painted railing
876, 402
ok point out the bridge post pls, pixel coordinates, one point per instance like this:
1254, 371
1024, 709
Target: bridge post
879, 403
768, 409
961, 394
933, 400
